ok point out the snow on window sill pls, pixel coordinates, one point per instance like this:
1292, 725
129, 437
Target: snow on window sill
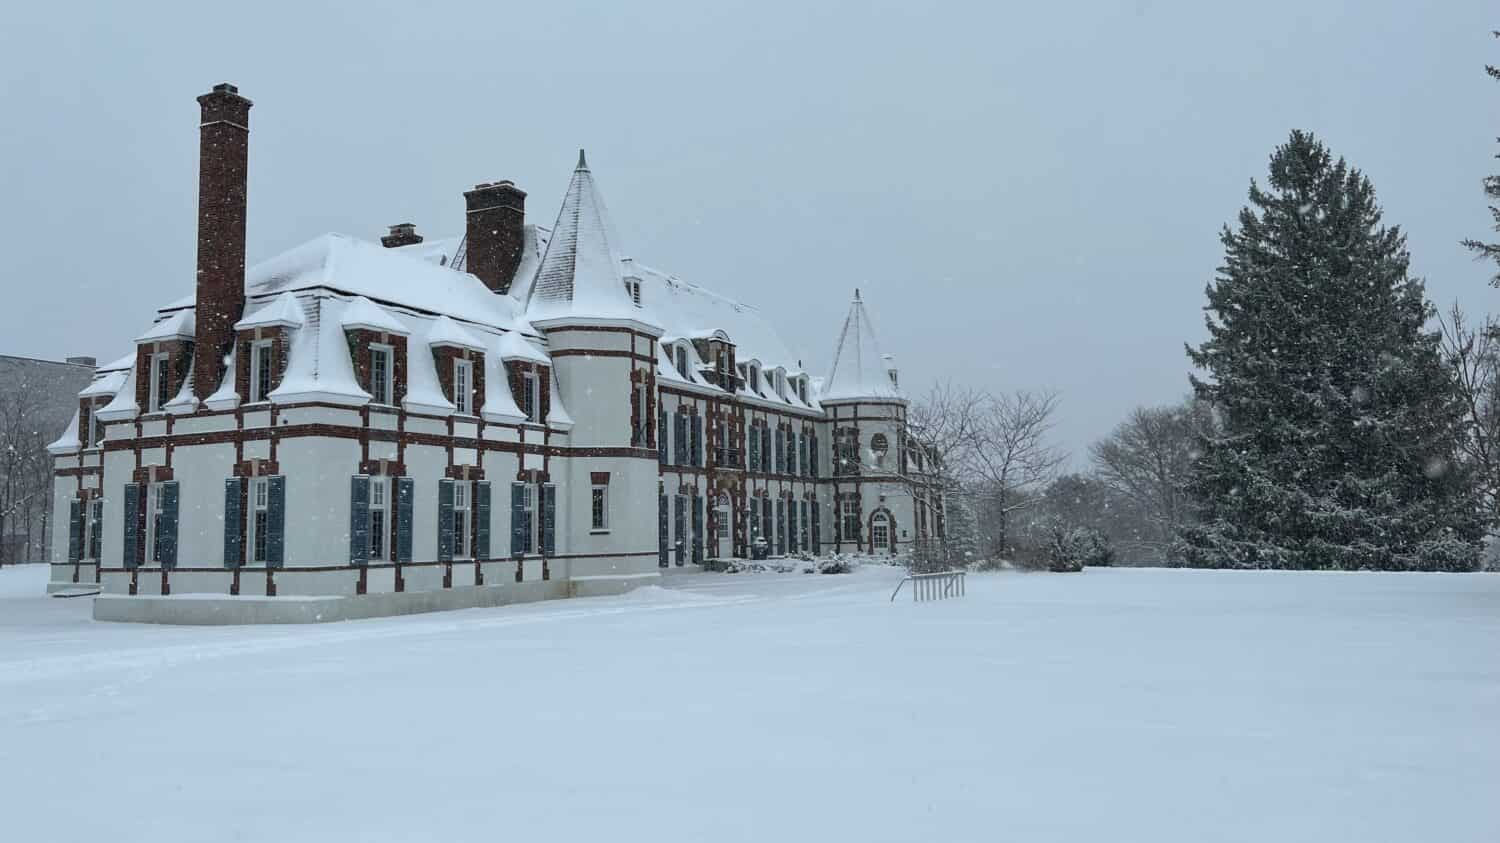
597, 532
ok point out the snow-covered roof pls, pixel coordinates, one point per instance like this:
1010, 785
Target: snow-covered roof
67, 442
105, 384
513, 346
283, 311
579, 277
367, 315
446, 332
176, 325
859, 369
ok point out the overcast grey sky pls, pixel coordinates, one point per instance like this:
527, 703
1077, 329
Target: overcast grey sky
1029, 194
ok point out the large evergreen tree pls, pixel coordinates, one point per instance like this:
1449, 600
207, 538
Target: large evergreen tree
1492, 190
1339, 424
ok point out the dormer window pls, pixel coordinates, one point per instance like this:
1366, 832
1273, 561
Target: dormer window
531, 399
381, 370
260, 370
755, 379
633, 289
682, 362
161, 381
463, 386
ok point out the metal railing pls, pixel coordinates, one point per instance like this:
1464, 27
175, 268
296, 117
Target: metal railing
939, 586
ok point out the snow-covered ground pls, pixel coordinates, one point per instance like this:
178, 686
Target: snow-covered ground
1111, 705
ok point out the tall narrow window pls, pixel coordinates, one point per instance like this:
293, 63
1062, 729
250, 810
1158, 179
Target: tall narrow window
682, 362
530, 396
463, 386
755, 379
260, 370
379, 516
851, 519
599, 506
642, 415
528, 519
721, 517
461, 537
154, 506
96, 523
381, 391
161, 380
259, 504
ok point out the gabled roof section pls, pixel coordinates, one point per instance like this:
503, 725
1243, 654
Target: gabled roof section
445, 331
179, 325
859, 369
283, 311
363, 313
579, 277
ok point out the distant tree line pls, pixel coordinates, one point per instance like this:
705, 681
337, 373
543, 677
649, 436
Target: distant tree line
1335, 420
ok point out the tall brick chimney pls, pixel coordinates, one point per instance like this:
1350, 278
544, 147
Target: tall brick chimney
223, 152
495, 232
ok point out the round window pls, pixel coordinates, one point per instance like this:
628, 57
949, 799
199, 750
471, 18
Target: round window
879, 444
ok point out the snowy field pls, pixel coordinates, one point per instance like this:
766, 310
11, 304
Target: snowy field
1106, 706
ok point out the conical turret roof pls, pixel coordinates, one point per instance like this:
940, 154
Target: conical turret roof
579, 277
860, 371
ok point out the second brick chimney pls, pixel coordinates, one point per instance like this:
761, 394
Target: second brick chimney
223, 155
495, 232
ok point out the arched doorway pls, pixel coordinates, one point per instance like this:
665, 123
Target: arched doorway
880, 531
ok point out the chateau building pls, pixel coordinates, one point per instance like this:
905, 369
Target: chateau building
518, 409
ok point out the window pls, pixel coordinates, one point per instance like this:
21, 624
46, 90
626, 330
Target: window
880, 532
93, 431
725, 455
722, 517
92, 523
633, 289
642, 416
381, 391
755, 379
154, 500
260, 370
879, 446
461, 537
161, 379
791, 452
463, 386
527, 531
599, 507
850, 520
530, 395
259, 505
802, 389
379, 516
682, 362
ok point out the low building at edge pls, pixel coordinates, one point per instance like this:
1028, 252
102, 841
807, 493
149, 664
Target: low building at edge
518, 408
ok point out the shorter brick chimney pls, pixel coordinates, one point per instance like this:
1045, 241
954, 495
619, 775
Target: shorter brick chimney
495, 232
402, 234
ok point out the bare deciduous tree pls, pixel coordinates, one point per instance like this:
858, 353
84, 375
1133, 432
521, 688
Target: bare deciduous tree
1473, 354
1011, 457
25, 474
1147, 458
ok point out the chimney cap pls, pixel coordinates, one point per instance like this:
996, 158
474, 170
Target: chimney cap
226, 88
403, 228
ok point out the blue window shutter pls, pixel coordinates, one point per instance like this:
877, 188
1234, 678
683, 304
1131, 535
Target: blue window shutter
754, 464
766, 522
791, 526
679, 527
232, 521
765, 449
75, 530
445, 520
780, 527
167, 532
517, 519
661, 530
812, 456
661, 437
549, 520
805, 543
482, 512
96, 538
780, 452
679, 438
406, 496
359, 520
818, 539
131, 557
697, 529
698, 440
803, 454
275, 521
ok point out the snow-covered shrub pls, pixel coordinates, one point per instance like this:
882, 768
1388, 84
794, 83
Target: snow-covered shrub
1069, 549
